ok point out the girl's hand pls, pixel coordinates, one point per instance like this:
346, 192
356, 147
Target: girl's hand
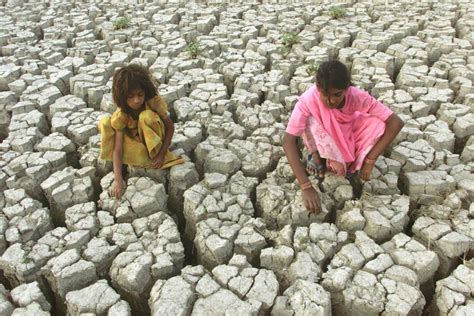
158, 161
311, 200
116, 189
366, 171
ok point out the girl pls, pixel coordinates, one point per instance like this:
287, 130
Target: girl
139, 132
344, 128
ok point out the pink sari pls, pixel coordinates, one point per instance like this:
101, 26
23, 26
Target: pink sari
342, 136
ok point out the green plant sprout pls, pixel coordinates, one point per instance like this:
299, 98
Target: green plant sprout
26, 260
284, 51
312, 67
288, 40
194, 49
121, 23
337, 12
303, 243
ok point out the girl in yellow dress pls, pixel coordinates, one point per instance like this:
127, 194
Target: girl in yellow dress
139, 132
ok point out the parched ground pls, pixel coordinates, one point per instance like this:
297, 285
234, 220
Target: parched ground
226, 233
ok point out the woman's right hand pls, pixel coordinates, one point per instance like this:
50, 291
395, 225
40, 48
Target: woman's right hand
311, 200
116, 189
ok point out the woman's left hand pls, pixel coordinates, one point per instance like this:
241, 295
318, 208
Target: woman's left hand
366, 171
158, 161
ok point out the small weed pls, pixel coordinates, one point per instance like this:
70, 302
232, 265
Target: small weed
26, 260
284, 51
289, 39
311, 68
194, 49
337, 12
303, 243
121, 23
442, 66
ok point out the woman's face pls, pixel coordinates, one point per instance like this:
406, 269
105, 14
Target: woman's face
136, 98
334, 98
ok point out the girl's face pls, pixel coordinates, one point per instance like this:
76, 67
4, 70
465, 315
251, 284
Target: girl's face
334, 98
136, 98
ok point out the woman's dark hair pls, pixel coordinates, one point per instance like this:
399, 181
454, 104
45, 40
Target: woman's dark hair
333, 74
129, 78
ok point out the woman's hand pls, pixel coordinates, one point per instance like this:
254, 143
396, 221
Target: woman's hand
311, 200
309, 195
158, 161
116, 189
366, 171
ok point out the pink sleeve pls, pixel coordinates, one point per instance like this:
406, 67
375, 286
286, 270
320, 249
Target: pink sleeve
370, 105
298, 119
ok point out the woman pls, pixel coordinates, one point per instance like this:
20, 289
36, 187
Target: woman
140, 130
344, 128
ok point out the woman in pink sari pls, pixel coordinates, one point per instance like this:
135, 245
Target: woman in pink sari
344, 128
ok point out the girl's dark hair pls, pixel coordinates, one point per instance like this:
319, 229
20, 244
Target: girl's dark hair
333, 74
129, 78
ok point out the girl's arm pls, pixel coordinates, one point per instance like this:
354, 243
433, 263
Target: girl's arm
309, 194
169, 131
117, 186
393, 125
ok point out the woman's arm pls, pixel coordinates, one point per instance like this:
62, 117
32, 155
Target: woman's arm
393, 125
310, 196
169, 131
117, 186
291, 152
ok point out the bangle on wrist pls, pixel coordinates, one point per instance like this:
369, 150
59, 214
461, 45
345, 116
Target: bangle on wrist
307, 185
370, 161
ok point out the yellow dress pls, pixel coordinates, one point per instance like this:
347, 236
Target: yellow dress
142, 139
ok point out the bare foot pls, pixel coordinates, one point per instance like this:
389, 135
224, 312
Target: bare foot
318, 169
